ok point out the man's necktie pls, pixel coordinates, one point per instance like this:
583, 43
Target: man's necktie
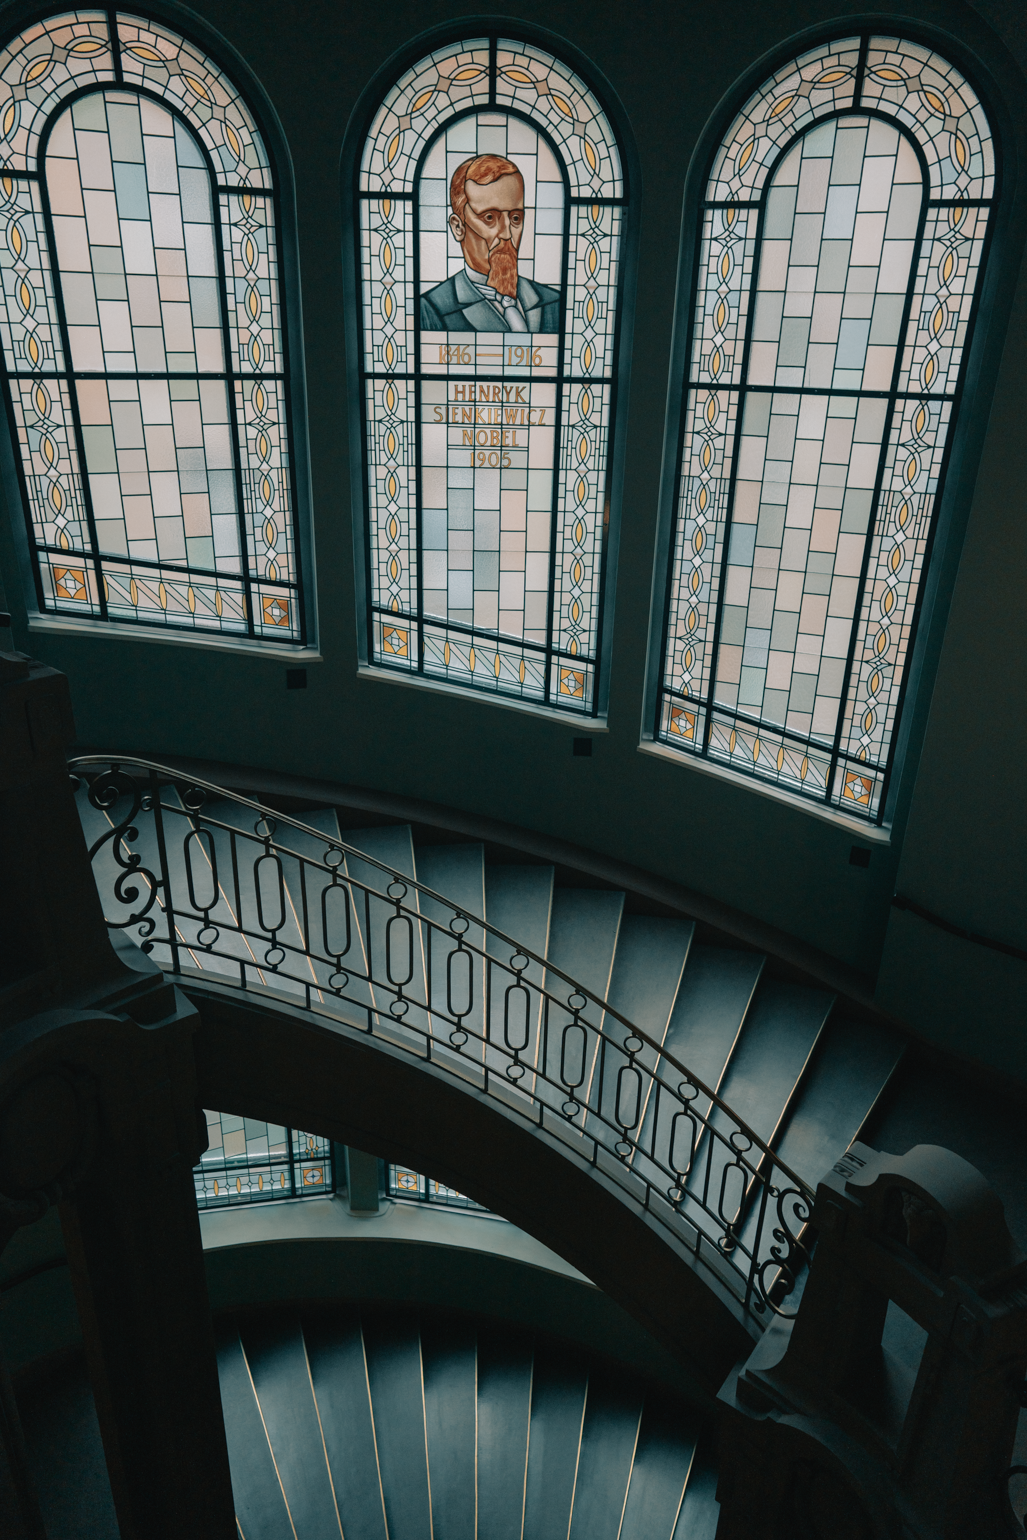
512, 314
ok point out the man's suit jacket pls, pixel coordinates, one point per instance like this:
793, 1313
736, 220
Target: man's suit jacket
458, 306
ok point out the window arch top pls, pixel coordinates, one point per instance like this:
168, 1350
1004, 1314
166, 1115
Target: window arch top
479, 72
910, 83
66, 53
142, 332
841, 242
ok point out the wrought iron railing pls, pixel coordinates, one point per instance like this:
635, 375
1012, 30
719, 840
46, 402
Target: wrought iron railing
215, 886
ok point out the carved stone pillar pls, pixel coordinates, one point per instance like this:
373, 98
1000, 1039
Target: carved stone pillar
98, 1113
887, 1407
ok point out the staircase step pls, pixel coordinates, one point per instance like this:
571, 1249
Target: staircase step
519, 901
393, 1349
715, 994
557, 1411
276, 1355
647, 971
659, 1473
504, 1409
609, 1434
583, 938
779, 1035
259, 1500
449, 1354
854, 1063
338, 1373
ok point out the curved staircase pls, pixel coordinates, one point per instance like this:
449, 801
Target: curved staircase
709, 1085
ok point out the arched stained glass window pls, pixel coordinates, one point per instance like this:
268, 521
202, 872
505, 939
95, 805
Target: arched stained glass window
491, 208
840, 249
142, 332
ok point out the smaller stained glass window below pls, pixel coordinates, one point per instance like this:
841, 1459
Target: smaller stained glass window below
248, 1161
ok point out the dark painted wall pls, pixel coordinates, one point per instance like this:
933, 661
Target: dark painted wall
670, 64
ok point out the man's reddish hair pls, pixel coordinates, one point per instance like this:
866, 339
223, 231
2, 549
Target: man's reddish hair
482, 170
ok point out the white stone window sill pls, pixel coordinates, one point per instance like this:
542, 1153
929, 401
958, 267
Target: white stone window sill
580, 724
67, 625
873, 834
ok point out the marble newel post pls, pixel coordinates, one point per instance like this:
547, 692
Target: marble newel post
98, 1113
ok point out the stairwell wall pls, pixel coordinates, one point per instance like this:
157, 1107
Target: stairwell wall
953, 847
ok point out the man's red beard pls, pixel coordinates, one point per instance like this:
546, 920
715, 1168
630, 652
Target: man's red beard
503, 268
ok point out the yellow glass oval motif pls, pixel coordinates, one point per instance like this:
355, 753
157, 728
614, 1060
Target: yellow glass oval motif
422, 100
253, 303
702, 498
197, 87
804, 768
520, 671
947, 266
934, 100
576, 572
256, 352
712, 410
263, 447
267, 490
162, 595
249, 252
579, 532
562, 106
902, 515
715, 363
26, 298
780, 758
386, 256
583, 448
468, 74
585, 404
390, 442
42, 401
732, 741
217, 601
590, 310
756, 751
390, 397
36, 70
520, 76
387, 304
575, 612
391, 486
57, 497
393, 528
888, 602
258, 400
782, 106
590, 154
928, 373
495, 668
918, 425
698, 541
587, 356
191, 599
881, 645
725, 261
46, 444
32, 348
745, 155
10, 114
85, 46
471, 659
959, 151
912, 466
582, 493
133, 591
16, 239
886, 72
446, 654
232, 140
270, 534
693, 620
392, 150
830, 78
141, 51
875, 684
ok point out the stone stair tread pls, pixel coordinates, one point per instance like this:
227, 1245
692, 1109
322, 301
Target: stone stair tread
455, 871
504, 1411
700, 1510
780, 1032
338, 1373
448, 1354
714, 996
854, 1062
647, 970
393, 1351
609, 1433
276, 1357
259, 1503
583, 938
659, 1472
558, 1390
